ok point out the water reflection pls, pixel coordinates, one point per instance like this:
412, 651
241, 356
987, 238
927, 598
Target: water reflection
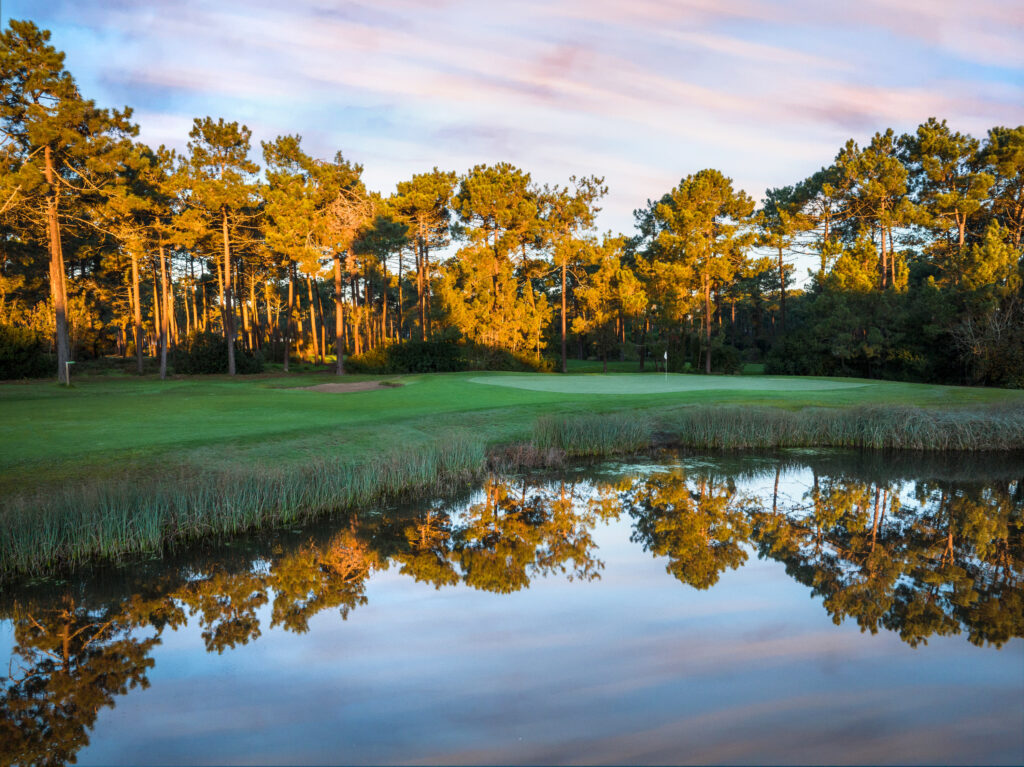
921, 558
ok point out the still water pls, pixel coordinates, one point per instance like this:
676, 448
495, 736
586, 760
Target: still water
809, 607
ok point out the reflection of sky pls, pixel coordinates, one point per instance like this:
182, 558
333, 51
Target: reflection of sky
636, 667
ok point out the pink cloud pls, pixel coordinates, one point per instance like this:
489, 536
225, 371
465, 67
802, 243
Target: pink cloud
647, 89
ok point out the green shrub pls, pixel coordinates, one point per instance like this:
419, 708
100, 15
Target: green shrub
426, 357
725, 358
440, 357
24, 353
373, 361
206, 353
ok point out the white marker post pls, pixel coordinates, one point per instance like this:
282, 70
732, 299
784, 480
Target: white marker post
67, 371
666, 366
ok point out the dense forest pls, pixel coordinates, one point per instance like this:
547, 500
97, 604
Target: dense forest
227, 256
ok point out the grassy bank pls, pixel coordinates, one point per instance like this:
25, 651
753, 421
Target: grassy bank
116, 466
876, 427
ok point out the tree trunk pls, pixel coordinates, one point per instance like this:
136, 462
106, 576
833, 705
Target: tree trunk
172, 314
272, 311
312, 319
422, 300
565, 364
643, 343
58, 288
137, 310
707, 320
203, 317
254, 329
226, 300
323, 326
288, 316
163, 314
782, 294
426, 286
885, 262
384, 303
354, 317
367, 309
892, 259
400, 320
157, 313
339, 319
246, 320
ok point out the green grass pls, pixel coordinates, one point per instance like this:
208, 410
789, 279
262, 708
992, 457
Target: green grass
662, 383
115, 464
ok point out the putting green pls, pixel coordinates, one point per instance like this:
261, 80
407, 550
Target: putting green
653, 383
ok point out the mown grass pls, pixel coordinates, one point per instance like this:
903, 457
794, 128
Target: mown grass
112, 467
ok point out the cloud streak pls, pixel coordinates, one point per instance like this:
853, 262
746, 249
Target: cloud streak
765, 90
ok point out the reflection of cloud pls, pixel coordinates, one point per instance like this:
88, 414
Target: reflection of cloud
850, 728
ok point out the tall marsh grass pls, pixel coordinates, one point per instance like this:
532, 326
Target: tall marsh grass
731, 428
594, 434
107, 520
873, 427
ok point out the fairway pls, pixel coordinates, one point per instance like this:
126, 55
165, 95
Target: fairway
640, 383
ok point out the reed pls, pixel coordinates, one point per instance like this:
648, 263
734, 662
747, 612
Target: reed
106, 521
593, 434
51, 530
991, 428
873, 427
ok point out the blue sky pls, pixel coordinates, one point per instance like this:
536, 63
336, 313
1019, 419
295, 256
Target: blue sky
642, 92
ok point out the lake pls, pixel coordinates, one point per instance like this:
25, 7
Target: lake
803, 607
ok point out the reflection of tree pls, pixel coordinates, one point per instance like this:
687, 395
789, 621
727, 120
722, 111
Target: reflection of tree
519, 532
426, 555
947, 559
69, 662
969, 544
951, 562
846, 549
316, 578
954, 561
226, 603
697, 525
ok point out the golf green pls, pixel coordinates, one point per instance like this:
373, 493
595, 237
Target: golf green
650, 383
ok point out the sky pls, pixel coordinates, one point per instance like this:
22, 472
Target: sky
641, 92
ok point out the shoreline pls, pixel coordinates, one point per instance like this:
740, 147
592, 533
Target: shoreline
49, 530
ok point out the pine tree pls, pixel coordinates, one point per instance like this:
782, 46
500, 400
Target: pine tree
222, 189
424, 203
567, 213
701, 223
60, 151
949, 187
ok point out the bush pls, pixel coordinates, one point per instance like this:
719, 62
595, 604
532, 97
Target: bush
25, 353
426, 357
439, 357
725, 358
373, 361
206, 353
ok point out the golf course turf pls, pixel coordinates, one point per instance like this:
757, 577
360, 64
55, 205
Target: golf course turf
625, 383
107, 445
